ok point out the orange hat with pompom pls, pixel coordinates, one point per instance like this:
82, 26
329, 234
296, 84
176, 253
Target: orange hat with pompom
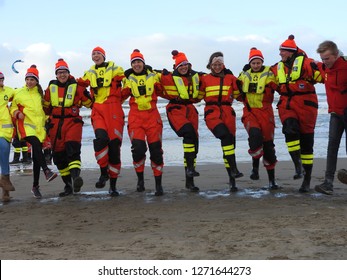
289, 44
255, 53
136, 55
61, 65
33, 72
100, 50
180, 59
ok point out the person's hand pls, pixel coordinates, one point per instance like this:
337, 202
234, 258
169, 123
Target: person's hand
246, 67
19, 115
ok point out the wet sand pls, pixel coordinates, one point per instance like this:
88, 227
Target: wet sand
252, 224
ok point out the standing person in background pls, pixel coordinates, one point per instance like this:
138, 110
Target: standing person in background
181, 88
105, 81
296, 75
334, 71
218, 90
27, 110
144, 121
62, 101
257, 94
6, 134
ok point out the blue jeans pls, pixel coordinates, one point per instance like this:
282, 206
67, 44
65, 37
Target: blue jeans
336, 128
4, 156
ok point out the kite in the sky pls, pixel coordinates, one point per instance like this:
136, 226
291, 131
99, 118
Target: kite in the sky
13, 68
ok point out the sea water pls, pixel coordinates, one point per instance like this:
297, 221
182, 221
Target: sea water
209, 147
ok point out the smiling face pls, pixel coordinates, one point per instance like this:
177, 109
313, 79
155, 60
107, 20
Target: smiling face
62, 76
328, 58
256, 64
217, 67
137, 65
183, 69
30, 82
285, 55
97, 57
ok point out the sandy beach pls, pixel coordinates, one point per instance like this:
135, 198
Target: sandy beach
252, 224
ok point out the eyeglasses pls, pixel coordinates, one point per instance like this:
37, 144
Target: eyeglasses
63, 72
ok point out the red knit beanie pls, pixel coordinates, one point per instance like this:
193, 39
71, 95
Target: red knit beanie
136, 55
100, 50
289, 44
180, 58
61, 65
255, 53
33, 72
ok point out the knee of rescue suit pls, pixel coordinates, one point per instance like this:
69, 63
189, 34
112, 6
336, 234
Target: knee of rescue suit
188, 133
101, 140
306, 143
73, 150
221, 132
114, 151
60, 160
138, 149
156, 152
255, 139
269, 157
291, 126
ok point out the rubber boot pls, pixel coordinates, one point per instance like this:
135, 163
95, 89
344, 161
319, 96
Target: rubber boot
255, 169
305, 186
6, 183
68, 186
232, 182
190, 169
15, 158
272, 183
77, 181
25, 158
158, 187
113, 190
296, 158
140, 187
103, 178
190, 184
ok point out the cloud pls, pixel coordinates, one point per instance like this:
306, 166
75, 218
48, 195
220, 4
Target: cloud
156, 49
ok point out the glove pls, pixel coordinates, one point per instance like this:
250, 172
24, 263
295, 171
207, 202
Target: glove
246, 67
165, 72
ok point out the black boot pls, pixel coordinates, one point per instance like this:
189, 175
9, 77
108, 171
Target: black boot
296, 158
68, 186
190, 184
15, 158
158, 187
103, 178
77, 181
190, 169
25, 158
305, 186
232, 184
272, 183
113, 190
255, 169
234, 172
140, 182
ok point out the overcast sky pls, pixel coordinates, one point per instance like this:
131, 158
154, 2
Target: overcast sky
40, 31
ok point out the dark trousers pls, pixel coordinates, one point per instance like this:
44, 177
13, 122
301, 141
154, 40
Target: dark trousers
336, 128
